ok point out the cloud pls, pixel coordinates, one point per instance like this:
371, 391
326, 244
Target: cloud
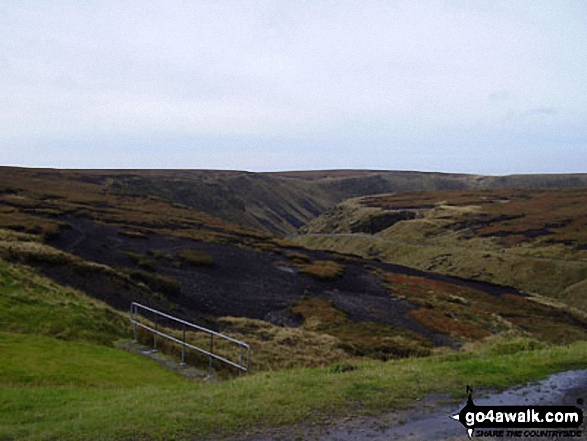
499, 96
416, 75
514, 118
538, 112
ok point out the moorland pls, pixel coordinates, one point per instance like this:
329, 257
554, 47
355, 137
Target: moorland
358, 291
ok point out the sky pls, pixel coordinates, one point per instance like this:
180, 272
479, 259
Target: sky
471, 86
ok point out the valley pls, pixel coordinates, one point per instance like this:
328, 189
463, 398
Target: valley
340, 281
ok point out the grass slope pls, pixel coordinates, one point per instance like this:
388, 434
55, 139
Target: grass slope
35, 361
32, 304
118, 407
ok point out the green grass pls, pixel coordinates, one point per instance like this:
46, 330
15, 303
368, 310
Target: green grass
32, 304
119, 408
39, 361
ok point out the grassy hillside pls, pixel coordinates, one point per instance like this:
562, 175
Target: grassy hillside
533, 240
32, 304
35, 361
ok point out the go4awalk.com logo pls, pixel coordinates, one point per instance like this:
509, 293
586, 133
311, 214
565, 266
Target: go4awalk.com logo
520, 421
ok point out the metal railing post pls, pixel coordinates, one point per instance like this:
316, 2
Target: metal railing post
211, 353
133, 316
183, 347
155, 336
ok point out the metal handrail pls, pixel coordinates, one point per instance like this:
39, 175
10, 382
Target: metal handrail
134, 313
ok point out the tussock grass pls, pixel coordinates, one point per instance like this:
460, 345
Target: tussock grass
25, 208
509, 342
360, 339
470, 314
326, 337
74, 387
80, 395
284, 243
323, 269
276, 347
196, 257
297, 257
273, 347
140, 260
470, 259
29, 223
133, 234
160, 255
14, 236
34, 252
156, 282
576, 296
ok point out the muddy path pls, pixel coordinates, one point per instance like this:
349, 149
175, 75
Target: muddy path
430, 418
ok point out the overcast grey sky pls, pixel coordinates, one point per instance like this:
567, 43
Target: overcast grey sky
473, 86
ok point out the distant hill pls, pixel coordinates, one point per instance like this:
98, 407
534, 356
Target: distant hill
282, 202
